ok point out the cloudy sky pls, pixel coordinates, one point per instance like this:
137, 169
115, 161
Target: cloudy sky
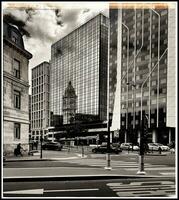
43, 23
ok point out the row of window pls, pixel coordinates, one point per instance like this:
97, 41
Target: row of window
138, 103
153, 120
38, 71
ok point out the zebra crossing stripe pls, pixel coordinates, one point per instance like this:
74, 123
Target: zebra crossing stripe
139, 189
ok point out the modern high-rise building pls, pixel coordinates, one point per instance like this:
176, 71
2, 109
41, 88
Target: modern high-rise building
142, 70
40, 101
15, 90
80, 58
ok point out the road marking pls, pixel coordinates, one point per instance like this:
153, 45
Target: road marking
155, 168
139, 189
35, 191
72, 190
42, 191
168, 173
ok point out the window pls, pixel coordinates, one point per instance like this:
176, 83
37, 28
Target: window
154, 83
17, 98
163, 81
16, 131
14, 37
16, 64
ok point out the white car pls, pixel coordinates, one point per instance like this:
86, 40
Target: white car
128, 146
163, 147
157, 146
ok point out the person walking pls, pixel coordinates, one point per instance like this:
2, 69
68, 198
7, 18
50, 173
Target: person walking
19, 150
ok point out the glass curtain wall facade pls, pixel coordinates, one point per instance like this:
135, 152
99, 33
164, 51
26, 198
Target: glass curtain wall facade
144, 45
81, 57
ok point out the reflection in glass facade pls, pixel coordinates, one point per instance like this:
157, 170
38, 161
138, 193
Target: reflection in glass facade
81, 57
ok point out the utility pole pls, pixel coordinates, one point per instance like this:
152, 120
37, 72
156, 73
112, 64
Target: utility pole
108, 158
41, 139
141, 152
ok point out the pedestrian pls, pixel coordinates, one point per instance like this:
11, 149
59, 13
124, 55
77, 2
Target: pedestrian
18, 150
36, 144
159, 150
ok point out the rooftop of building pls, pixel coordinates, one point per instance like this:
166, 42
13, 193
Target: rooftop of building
13, 37
79, 26
41, 64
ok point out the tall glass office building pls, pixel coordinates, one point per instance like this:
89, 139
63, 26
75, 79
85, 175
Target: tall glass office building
142, 55
81, 59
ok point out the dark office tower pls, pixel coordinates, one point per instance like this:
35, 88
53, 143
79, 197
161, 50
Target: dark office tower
145, 69
81, 58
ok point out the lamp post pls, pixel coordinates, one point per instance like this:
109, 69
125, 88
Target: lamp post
141, 153
41, 139
158, 64
127, 102
134, 87
108, 158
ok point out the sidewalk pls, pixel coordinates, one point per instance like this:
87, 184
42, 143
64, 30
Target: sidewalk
71, 154
69, 172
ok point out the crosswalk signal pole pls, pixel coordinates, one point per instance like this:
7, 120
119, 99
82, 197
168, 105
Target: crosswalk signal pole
41, 139
108, 158
141, 152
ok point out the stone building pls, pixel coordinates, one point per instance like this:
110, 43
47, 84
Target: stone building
15, 89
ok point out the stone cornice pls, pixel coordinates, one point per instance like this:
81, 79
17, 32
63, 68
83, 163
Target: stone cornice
23, 51
13, 78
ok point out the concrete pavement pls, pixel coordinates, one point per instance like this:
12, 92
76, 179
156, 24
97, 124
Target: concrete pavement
65, 173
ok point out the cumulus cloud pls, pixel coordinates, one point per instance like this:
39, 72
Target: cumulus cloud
46, 24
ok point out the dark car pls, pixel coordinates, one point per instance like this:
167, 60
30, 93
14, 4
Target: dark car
52, 146
104, 149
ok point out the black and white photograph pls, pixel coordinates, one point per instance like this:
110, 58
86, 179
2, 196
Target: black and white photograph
89, 99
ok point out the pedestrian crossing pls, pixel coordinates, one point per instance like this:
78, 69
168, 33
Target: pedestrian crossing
143, 188
128, 166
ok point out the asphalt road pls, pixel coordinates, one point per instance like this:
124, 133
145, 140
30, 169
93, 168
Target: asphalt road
140, 187
168, 160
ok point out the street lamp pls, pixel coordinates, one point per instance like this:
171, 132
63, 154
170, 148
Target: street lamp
128, 67
127, 103
158, 64
108, 166
134, 87
41, 139
141, 153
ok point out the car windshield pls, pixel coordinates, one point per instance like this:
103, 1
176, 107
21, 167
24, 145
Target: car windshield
152, 144
159, 144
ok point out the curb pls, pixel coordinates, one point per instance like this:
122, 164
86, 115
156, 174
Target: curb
38, 159
74, 177
155, 155
22, 160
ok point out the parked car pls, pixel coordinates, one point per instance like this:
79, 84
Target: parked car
52, 146
128, 146
103, 149
157, 147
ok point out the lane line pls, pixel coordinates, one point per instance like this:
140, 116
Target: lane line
72, 190
35, 191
